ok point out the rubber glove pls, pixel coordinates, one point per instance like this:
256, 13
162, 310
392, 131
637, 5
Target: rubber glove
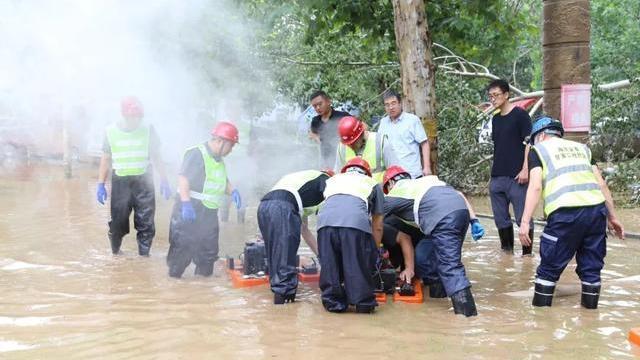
477, 231
101, 193
235, 195
188, 213
165, 189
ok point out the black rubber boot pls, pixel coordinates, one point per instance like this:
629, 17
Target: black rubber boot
590, 296
528, 250
115, 243
436, 290
543, 295
280, 299
365, 309
506, 239
463, 303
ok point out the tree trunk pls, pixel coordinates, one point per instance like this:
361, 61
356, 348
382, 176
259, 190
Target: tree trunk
417, 69
565, 45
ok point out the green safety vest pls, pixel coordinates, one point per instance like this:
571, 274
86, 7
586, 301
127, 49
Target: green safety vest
293, 182
129, 150
350, 183
372, 153
567, 176
215, 182
415, 189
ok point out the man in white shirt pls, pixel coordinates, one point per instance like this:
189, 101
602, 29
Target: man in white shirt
407, 136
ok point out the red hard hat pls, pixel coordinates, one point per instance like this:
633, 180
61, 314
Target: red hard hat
359, 162
329, 172
130, 106
391, 172
350, 129
227, 131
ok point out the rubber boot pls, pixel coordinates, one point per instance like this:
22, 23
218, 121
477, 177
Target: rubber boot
590, 296
528, 250
436, 291
280, 299
115, 243
143, 247
506, 239
543, 295
365, 309
463, 303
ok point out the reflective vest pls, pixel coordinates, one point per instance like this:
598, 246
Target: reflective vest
129, 150
415, 189
372, 153
293, 182
350, 183
215, 182
567, 177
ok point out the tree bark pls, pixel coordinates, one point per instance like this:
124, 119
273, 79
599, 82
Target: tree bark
417, 69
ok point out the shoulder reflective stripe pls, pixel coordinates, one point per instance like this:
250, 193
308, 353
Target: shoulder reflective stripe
566, 170
379, 153
545, 282
429, 182
552, 238
136, 165
341, 154
544, 153
570, 188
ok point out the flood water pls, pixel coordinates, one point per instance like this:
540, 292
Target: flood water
64, 295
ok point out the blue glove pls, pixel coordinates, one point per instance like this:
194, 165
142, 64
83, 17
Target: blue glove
101, 193
165, 189
235, 195
188, 213
477, 231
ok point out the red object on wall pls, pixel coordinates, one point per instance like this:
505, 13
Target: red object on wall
575, 111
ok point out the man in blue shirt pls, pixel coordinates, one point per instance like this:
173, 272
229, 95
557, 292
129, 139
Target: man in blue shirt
407, 136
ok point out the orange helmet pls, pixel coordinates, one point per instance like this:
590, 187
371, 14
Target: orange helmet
391, 172
358, 162
227, 131
130, 106
350, 129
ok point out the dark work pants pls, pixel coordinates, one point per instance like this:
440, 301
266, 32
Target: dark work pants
574, 231
280, 223
347, 260
393, 225
439, 255
132, 193
197, 241
505, 190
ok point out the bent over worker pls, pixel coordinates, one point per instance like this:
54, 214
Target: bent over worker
349, 231
202, 184
357, 141
443, 215
282, 217
129, 148
577, 203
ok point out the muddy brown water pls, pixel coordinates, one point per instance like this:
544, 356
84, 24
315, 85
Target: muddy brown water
64, 295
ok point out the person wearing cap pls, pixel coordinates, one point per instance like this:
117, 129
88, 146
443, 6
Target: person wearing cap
578, 206
350, 226
443, 216
282, 218
129, 150
357, 141
202, 184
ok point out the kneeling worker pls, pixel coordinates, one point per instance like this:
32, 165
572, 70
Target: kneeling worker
442, 214
348, 238
282, 217
577, 203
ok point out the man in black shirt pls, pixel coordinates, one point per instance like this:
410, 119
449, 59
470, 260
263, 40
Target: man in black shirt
509, 173
324, 127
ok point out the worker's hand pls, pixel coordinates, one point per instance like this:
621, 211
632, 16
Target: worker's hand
616, 227
235, 196
523, 176
406, 275
523, 233
188, 213
101, 193
477, 231
426, 171
165, 189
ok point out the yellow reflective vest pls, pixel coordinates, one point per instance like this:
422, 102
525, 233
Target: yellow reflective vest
129, 150
293, 182
215, 182
372, 153
350, 183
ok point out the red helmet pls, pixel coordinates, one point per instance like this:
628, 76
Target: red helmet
227, 131
350, 129
329, 172
130, 106
391, 172
359, 162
